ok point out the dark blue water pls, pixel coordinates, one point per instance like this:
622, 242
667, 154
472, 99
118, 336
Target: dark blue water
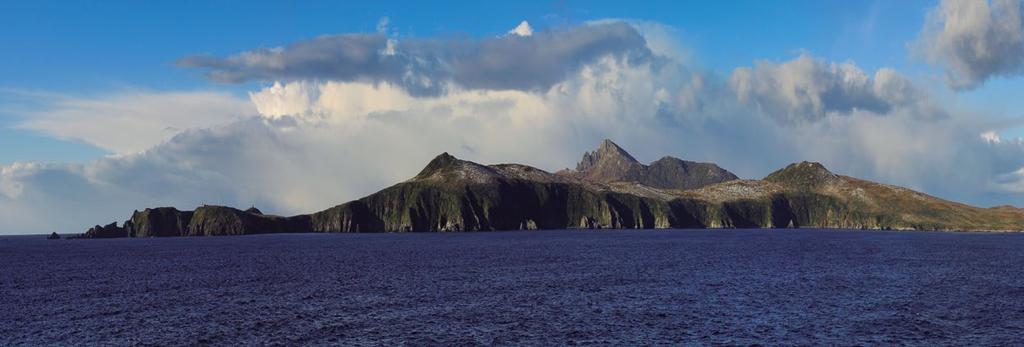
733, 287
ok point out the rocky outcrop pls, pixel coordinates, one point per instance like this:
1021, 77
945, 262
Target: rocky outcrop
53, 236
160, 221
220, 220
206, 220
105, 232
450, 194
610, 163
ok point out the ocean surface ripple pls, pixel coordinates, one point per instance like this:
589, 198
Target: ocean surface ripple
731, 287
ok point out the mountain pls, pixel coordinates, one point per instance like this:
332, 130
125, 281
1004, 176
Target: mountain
609, 189
610, 163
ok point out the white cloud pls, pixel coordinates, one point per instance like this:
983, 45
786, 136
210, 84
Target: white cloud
523, 29
130, 121
806, 88
391, 45
9, 176
991, 137
663, 40
974, 40
319, 143
323, 143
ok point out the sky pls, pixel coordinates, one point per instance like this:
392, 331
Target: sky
107, 107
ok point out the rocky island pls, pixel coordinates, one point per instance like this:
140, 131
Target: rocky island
608, 189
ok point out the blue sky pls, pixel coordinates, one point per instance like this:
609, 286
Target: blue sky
81, 45
91, 47
90, 86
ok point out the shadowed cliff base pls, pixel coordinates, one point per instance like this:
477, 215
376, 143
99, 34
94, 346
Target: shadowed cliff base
608, 189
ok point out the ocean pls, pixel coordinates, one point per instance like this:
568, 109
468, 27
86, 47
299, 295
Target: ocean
689, 287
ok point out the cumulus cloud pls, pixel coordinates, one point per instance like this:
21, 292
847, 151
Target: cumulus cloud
975, 40
316, 143
329, 142
128, 121
430, 66
806, 88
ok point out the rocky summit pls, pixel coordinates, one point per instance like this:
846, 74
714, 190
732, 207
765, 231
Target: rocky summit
608, 189
610, 163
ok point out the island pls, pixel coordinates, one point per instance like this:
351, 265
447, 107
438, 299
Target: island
607, 189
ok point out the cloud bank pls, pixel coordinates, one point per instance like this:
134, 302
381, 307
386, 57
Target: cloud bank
129, 121
315, 142
427, 67
975, 40
810, 89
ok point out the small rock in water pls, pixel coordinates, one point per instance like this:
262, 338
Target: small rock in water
53, 236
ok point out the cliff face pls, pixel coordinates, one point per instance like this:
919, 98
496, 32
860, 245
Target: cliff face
450, 194
204, 221
506, 204
105, 232
160, 221
456, 195
220, 220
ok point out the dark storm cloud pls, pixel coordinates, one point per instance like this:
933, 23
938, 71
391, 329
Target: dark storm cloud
425, 66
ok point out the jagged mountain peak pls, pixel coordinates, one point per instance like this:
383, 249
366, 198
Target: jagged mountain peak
607, 147
611, 163
607, 153
608, 163
804, 174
